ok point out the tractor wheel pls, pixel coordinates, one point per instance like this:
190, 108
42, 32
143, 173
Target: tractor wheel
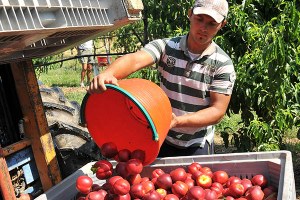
73, 144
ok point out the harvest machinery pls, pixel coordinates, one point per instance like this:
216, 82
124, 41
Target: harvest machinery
29, 160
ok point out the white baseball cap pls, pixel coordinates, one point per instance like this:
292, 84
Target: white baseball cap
217, 9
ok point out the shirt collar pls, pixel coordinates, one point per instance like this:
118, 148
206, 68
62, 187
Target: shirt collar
207, 52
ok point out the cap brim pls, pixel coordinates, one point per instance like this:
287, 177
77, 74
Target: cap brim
201, 10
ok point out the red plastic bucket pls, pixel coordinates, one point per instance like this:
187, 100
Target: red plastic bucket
134, 115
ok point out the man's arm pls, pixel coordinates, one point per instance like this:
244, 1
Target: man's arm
119, 69
208, 116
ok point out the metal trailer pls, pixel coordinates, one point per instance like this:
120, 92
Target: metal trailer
33, 29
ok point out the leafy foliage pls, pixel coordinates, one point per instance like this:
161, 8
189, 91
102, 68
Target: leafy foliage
265, 47
160, 19
41, 68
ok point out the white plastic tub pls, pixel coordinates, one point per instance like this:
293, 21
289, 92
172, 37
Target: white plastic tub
277, 166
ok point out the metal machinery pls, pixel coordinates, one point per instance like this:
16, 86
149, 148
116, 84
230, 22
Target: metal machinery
32, 29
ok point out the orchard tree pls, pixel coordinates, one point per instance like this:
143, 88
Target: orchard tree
263, 39
160, 18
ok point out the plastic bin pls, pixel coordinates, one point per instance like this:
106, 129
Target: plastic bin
276, 166
104, 60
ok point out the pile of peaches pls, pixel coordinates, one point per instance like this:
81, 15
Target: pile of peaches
191, 182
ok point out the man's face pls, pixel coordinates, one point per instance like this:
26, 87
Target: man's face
203, 28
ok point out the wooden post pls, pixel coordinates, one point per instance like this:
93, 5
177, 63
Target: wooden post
6, 186
35, 123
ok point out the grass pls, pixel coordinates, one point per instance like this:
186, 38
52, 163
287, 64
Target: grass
67, 78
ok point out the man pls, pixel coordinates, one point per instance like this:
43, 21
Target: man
196, 74
86, 62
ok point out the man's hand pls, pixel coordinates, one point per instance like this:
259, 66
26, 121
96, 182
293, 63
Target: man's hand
174, 121
97, 85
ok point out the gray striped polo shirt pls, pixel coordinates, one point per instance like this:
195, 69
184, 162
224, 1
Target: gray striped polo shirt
188, 83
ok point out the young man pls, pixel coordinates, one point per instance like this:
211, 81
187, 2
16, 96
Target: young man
196, 74
86, 62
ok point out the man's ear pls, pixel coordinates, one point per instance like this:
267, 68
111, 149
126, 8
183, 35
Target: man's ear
190, 12
224, 22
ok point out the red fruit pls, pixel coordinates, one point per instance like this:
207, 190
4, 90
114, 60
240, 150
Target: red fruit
189, 175
178, 174
153, 180
84, 184
210, 194
190, 182
103, 169
152, 195
229, 198
207, 171
195, 192
179, 188
157, 172
194, 167
122, 197
217, 190
269, 190
80, 196
109, 150
236, 189
196, 174
171, 197
138, 154
259, 180
204, 181
104, 164
148, 186
111, 181
106, 186
134, 166
220, 176
233, 179
102, 173
123, 155
95, 195
144, 179
255, 193
103, 192
217, 185
96, 187
121, 169
226, 192
164, 181
246, 183
121, 187
137, 191
134, 179
161, 192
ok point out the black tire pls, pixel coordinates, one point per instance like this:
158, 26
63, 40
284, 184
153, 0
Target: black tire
73, 144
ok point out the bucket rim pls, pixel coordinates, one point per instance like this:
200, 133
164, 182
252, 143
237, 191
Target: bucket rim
155, 136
